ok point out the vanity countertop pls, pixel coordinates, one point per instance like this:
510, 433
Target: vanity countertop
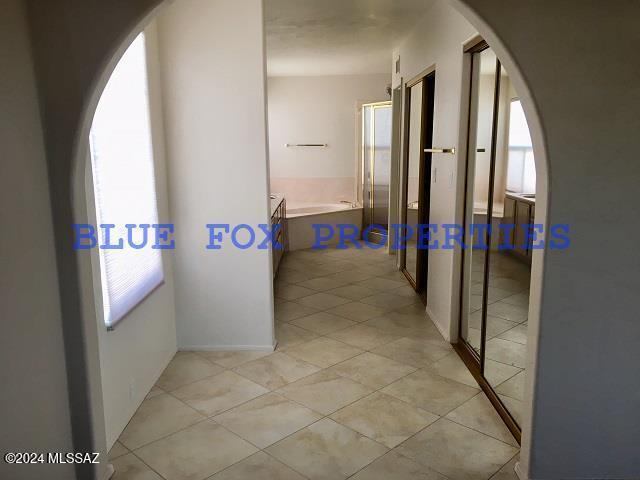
481, 208
521, 197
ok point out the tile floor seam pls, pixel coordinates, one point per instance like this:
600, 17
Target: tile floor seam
397, 447
235, 406
170, 392
119, 456
478, 431
148, 443
503, 465
403, 456
395, 398
229, 466
378, 390
206, 417
375, 459
197, 423
149, 466
288, 383
380, 355
201, 353
370, 350
332, 339
428, 466
501, 383
279, 440
320, 413
286, 464
169, 434
327, 417
504, 363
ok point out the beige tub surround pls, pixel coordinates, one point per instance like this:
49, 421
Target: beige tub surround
318, 189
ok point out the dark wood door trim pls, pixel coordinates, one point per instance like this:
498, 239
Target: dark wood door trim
427, 78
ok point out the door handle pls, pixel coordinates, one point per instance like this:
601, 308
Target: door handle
440, 150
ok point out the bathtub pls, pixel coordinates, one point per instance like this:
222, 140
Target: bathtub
302, 216
295, 210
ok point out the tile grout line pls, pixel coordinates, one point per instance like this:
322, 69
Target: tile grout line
496, 473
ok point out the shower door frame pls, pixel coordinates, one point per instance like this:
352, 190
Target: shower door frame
374, 236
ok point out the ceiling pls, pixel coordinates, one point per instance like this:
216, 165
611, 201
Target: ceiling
336, 37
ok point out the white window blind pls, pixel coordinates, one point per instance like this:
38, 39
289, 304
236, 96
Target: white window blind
124, 185
521, 173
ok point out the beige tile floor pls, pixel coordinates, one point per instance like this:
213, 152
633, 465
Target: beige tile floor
361, 386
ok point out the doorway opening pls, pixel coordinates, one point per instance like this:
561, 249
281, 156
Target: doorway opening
418, 136
421, 190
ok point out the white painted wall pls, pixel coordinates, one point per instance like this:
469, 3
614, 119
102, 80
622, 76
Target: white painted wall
135, 353
34, 407
318, 110
438, 40
213, 78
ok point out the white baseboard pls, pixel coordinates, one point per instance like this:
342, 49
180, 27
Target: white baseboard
519, 472
226, 348
446, 335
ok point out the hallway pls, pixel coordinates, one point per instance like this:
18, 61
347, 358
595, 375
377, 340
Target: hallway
361, 386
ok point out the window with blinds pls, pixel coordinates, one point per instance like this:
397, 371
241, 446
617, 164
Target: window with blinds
521, 172
124, 186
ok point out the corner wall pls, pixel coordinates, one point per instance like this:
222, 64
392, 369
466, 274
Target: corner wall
34, 403
213, 77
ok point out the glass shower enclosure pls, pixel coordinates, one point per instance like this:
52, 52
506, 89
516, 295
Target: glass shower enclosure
376, 169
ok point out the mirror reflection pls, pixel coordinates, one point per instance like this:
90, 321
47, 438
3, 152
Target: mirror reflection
484, 68
413, 176
500, 192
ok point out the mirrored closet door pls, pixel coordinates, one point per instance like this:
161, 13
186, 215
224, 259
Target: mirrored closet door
495, 282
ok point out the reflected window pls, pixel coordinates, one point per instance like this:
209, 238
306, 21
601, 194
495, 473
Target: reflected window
521, 175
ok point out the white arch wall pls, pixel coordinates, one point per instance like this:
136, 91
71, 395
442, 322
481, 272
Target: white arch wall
576, 60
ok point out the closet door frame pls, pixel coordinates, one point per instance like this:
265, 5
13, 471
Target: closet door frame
427, 79
476, 362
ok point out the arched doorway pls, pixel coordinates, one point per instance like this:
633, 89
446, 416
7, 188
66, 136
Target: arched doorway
79, 304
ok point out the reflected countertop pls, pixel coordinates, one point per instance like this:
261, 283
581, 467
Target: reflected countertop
522, 197
275, 201
480, 208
